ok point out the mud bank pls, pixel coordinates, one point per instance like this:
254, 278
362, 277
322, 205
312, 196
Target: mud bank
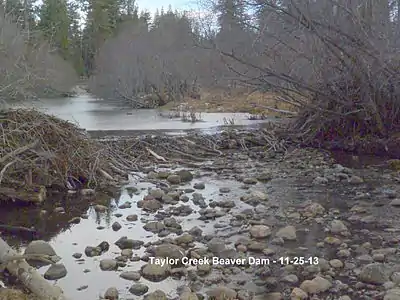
338, 226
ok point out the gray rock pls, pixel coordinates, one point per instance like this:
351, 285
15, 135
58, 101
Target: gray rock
138, 289
185, 175
222, 293
155, 272
56, 271
111, 294
287, 233
174, 179
40, 247
316, 285
116, 226
131, 275
125, 243
260, 231
108, 264
156, 295
199, 186
375, 273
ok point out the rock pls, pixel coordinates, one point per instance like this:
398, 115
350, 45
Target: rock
174, 179
168, 251
156, 295
287, 233
224, 190
375, 273
199, 186
392, 294
320, 180
260, 231
77, 255
355, 179
316, 286
111, 294
216, 245
125, 243
56, 271
125, 205
154, 227
155, 272
185, 175
108, 264
157, 193
87, 192
298, 294
151, 205
39, 247
100, 208
221, 293
138, 289
185, 238
395, 202
313, 210
336, 263
132, 218
116, 226
250, 180
292, 278
131, 275
187, 294
338, 227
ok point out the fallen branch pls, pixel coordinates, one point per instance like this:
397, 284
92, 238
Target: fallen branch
18, 151
5, 169
159, 157
27, 275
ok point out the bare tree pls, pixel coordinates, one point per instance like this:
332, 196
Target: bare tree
29, 67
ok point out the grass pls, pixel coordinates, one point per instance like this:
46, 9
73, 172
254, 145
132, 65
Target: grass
240, 100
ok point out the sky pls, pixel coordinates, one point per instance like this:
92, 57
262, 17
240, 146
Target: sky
152, 5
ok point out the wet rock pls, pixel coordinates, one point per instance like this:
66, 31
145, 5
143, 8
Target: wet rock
100, 208
222, 293
187, 294
392, 294
132, 218
298, 294
116, 226
155, 272
40, 247
265, 176
154, 227
250, 180
354, 179
56, 271
216, 245
174, 179
255, 198
77, 255
75, 220
168, 251
395, 202
291, 278
157, 193
313, 210
199, 186
185, 238
91, 251
287, 233
108, 264
151, 205
260, 231
271, 296
156, 295
111, 294
125, 243
375, 273
131, 275
185, 175
316, 285
338, 227
336, 263
138, 289
125, 205
320, 180
196, 231
224, 190
204, 269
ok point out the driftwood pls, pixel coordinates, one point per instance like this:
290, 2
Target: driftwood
27, 275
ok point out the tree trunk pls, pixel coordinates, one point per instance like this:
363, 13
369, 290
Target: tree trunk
28, 275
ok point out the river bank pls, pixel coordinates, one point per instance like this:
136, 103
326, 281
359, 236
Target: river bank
242, 195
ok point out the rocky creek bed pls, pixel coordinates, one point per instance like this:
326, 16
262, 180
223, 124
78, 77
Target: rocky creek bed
242, 205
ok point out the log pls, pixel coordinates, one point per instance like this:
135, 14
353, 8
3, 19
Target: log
28, 275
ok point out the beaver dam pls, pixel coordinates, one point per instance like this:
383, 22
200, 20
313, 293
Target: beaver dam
95, 215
